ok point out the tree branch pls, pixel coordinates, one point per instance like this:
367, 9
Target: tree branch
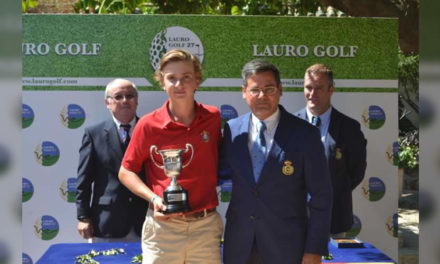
407, 11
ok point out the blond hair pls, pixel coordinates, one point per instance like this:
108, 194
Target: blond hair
177, 55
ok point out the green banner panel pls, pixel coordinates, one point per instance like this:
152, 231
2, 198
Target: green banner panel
80, 52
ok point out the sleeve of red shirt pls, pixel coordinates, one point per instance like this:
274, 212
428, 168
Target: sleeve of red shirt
136, 152
219, 122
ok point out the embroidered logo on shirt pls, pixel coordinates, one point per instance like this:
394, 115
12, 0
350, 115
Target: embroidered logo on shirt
338, 153
288, 168
205, 136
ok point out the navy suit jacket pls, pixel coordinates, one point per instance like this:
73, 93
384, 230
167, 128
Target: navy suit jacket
274, 209
347, 162
111, 206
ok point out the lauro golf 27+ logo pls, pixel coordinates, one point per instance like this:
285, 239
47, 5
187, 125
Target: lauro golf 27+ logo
26, 259
46, 153
227, 112
355, 228
174, 38
72, 116
68, 190
392, 153
27, 190
46, 227
391, 225
373, 117
27, 116
373, 189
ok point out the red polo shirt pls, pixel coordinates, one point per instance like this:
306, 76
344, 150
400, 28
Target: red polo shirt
199, 178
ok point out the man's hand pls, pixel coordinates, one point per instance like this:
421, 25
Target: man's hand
311, 259
85, 228
159, 209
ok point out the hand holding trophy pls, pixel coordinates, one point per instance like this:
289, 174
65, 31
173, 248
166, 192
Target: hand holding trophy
175, 197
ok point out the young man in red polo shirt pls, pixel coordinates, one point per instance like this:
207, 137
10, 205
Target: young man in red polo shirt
194, 236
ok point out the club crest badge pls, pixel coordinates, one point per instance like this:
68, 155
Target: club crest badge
338, 153
288, 168
205, 136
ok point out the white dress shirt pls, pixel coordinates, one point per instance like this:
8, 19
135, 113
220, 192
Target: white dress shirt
325, 124
271, 127
121, 130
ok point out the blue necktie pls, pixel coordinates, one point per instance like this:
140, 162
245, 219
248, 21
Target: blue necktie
258, 151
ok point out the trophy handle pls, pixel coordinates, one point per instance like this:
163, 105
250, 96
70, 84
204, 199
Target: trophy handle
154, 147
188, 146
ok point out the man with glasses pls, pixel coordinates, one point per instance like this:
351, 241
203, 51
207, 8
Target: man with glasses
343, 140
274, 159
106, 210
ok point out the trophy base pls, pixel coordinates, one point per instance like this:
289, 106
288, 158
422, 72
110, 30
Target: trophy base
176, 201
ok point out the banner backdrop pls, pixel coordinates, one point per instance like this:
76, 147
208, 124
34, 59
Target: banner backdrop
68, 60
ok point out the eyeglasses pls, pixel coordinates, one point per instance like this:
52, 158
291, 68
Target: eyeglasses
120, 97
266, 91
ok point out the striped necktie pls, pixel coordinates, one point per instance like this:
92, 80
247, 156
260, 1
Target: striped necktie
316, 121
126, 127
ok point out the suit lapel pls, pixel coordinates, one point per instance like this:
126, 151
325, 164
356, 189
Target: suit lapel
332, 135
112, 138
242, 150
281, 136
302, 114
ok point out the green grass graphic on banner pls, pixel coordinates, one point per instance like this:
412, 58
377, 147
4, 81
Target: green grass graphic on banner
49, 160
75, 122
26, 196
376, 123
26, 122
376, 195
48, 234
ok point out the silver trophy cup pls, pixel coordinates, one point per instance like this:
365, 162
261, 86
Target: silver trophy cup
174, 196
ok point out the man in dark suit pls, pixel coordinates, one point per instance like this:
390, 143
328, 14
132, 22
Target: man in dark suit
267, 220
343, 140
107, 211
